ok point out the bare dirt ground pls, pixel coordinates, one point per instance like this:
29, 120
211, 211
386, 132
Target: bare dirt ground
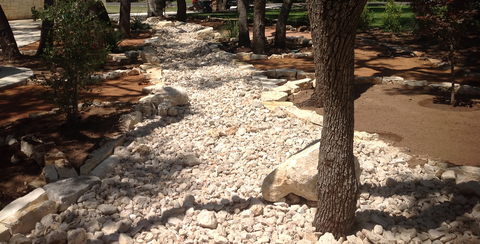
411, 118
78, 141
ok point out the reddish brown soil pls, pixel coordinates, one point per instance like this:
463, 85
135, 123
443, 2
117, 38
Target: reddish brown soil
78, 141
401, 115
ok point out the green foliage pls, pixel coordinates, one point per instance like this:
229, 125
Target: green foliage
231, 27
77, 50
112, 39
137, 24
391, 17
366, 19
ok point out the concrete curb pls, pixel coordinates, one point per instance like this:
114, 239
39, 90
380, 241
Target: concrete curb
14, 76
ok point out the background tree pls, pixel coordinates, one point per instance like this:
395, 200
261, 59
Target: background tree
334, 24
125, 18
47, 26
448, 21
181, 10
221, 5
243, 32
156, 7
75, 53
7, 40
258, 45
281, 27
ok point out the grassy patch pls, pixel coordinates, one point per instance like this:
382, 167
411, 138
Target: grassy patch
407, 18
297, 14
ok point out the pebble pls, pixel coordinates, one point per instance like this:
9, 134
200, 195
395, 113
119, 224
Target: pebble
200, 179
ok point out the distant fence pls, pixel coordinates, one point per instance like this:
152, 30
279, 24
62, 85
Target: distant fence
21, 9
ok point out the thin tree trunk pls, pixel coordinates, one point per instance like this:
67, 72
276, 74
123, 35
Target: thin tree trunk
221, 5
181, 10
125, 18
243, 32
7, 40
333, 25
281, 28
47, 26
258, 45
155, 7
452, 92
99, 9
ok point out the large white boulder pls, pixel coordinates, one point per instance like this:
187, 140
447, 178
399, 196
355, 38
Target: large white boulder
297, 175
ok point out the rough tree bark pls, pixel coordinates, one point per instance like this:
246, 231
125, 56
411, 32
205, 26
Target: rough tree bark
221, 5
125, 18
155, 7
281, 28
99, 9
333, 25
47, 26
7, 40
181, 10
258, 45
243, 32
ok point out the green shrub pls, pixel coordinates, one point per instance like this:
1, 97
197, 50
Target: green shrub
137, 24
112, 39
391, 17
76, 51
366, 19
231, 27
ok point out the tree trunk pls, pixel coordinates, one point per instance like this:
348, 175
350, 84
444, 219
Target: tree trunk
125, 18
243, 32
7, 40
99, 9
452, 92
221, 5
47, 26
258, 45
155, 7
181, 10
281, 28
333, 25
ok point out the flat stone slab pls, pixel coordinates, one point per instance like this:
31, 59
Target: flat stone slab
13, 76
306, 115
274, 96
32, 198
96, 157
4, 233
106, 166
66, 192
24, 221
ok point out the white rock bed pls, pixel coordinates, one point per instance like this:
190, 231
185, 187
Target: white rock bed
192, 178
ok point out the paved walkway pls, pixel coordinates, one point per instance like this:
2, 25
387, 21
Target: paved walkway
26, 32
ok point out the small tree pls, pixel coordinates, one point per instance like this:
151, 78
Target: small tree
447, 20
74, 54
391, 17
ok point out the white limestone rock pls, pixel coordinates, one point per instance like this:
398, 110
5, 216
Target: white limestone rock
67, 192
297, 175
106, 166
274, 96
207, 219
77, 236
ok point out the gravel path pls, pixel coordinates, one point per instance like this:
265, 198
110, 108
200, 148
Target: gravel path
196, 178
